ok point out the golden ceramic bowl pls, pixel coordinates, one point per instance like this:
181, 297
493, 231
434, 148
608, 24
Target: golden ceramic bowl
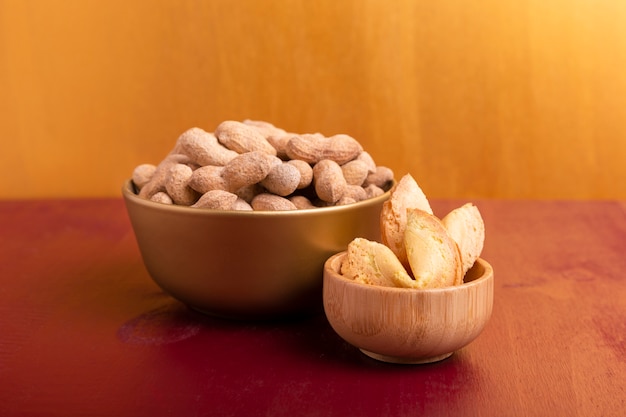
245, 264
402, 325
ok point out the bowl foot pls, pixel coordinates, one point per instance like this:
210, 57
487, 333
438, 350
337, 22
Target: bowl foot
407, 361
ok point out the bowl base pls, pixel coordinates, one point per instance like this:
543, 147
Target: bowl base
407, 361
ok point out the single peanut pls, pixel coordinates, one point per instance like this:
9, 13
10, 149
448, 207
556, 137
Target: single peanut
242, 138
142, 174
267, 129
355, 192
203, 148
241, 205
314, 148
216, 200
207, 178
247, 169
161, 197
330, 185
301, 202
355, 172
306, 172
282, 180
177, 185
271, 202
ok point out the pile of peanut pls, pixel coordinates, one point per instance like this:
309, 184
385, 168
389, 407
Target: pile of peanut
254, 165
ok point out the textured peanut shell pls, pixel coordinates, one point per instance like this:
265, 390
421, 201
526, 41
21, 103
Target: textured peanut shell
271, 202
373, 191
301, 202
203, 148
161, 197
330, 185
242, 138
283, 179
248, 192
355, 192
355, 172
279, 142
177, 185
207, 178
367, 159
157, 181
241, 205
246, 169
345, 200
265, 128
216, 200
306, 172
142, 174
381, 177
315, 148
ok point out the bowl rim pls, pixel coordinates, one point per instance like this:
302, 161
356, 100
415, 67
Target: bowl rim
128, 191
328, 270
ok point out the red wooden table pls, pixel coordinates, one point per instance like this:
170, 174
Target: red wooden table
85, 332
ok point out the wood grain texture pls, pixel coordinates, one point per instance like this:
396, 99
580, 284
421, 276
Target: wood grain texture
404, 325
514, 99
84, 331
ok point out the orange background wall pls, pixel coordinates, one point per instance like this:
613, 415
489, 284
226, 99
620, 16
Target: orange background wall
488, 98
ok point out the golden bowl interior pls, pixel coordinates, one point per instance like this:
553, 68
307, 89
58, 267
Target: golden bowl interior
242, 264
401, 325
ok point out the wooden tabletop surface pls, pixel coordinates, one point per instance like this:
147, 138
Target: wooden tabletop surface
85, 332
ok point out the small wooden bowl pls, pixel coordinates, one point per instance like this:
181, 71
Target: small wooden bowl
410, 326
